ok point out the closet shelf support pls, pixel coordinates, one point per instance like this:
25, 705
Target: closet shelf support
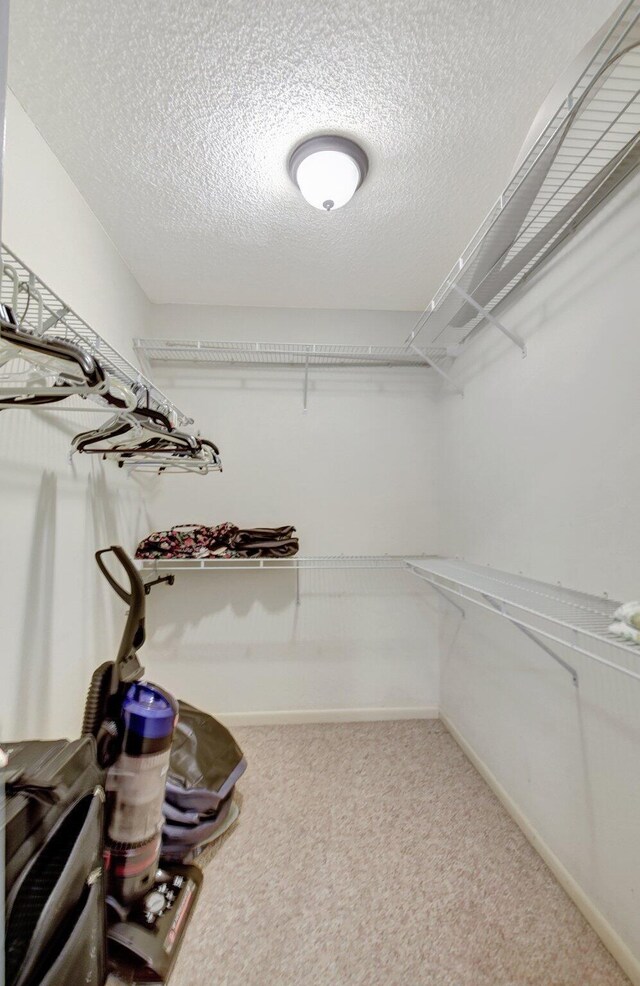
499, 607
438, 369
560, 617
306, 384
493, 606
443, 593
490, 317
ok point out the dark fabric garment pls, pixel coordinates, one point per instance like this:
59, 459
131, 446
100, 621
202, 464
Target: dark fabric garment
174, 836
173, 814
176, 851
224, 541
205, 764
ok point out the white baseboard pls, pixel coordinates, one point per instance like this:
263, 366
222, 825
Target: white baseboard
609, 937
298, 716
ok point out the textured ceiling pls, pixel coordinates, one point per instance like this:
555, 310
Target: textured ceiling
175, 120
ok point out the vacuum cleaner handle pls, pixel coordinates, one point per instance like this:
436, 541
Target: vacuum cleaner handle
134, 633
134, 577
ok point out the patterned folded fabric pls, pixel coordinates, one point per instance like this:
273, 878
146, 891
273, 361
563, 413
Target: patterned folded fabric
223, 541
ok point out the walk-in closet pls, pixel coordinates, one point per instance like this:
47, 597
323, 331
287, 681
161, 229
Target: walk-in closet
320, 581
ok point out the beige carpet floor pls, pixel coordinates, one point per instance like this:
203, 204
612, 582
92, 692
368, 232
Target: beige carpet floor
373, 854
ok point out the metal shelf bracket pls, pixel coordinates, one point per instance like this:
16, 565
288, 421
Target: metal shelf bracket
438, 369
534, 637
490, 317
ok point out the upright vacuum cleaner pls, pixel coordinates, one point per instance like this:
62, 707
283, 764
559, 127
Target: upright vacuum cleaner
133, 722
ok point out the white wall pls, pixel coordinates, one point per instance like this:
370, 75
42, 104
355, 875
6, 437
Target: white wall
48, 224
356, 475
57, 621
540, 476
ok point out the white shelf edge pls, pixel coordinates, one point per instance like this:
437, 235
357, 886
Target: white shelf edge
299, 562
563, 616
231, 352
580, 617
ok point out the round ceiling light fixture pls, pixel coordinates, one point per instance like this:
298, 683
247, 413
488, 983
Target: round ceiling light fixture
328, 170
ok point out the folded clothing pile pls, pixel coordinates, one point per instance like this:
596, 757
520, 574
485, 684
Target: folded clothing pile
205, 765
223, 541
627, 622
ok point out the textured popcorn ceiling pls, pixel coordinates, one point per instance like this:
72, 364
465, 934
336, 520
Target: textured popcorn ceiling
175, 120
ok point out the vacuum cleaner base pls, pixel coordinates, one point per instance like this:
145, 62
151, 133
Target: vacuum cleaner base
143, 949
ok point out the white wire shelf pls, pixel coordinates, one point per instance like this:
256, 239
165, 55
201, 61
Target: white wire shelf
48, 315
225, 353
589, 146
298, 562
307, 357
575, 620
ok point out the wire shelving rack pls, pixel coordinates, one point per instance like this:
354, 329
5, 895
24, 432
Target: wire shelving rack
48, 315
561, 616
591, 144
548, 614
304, 356
288, 354
297, 562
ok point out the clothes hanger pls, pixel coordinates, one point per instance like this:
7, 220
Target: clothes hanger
140, 429
119, 426
178, 444
204, 461
56, 370
140, 440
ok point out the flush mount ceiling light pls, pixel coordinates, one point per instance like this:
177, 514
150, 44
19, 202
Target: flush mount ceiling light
328, 170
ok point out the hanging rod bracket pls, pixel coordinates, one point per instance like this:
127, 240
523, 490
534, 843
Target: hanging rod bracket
490, 317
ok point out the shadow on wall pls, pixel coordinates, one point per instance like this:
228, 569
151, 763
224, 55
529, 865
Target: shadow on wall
514, 678
61, 619
31, 709
113, 516
246, 611
567, 756
198, 597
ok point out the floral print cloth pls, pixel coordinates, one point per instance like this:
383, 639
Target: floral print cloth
223, 541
